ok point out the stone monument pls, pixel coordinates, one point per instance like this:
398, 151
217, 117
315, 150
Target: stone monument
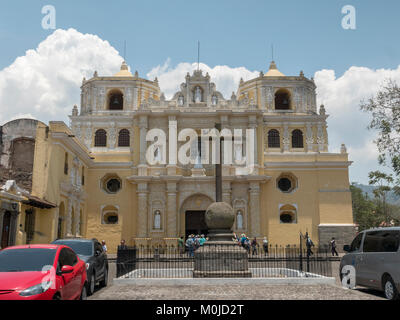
220, 257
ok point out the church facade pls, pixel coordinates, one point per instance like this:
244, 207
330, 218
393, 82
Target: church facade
126, 180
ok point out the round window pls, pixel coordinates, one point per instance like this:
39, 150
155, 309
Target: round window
284, 184
113, 185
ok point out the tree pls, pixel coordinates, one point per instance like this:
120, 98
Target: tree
385, 111
365, 211
383, 183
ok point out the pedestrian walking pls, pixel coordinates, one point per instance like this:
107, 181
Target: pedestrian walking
309, 245
333, 247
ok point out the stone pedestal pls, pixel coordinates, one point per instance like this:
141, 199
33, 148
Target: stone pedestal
220, 257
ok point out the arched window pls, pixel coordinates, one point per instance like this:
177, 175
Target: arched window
115, 100
124, 138
297, 139
110, 215
288, 214
273, 139
100, 138
282, 100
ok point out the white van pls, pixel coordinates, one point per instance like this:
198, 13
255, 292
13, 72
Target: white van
375, 256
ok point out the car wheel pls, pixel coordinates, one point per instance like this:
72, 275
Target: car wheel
91, 285
83, 293
104, 282
57, 297
389, 289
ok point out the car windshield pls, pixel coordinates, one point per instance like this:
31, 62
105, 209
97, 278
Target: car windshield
17, 260
84, 248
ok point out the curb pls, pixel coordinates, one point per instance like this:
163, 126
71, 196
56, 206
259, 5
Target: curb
223, 281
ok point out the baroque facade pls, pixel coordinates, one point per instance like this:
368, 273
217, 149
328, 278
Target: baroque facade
99, 175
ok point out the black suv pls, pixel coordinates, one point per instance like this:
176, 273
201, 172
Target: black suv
90, 251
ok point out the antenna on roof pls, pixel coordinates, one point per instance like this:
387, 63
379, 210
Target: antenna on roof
272, 52
198, 55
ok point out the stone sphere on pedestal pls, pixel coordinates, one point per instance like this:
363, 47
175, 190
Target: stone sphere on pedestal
219, 215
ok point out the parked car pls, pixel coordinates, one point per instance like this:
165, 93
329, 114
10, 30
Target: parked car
375, 256
41, 272
90, 251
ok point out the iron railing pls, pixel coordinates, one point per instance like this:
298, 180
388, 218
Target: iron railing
164, 261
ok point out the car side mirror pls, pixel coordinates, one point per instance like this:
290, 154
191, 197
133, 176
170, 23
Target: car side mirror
67, 269
346, 248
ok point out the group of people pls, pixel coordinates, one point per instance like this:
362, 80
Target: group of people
251, 246
193, 242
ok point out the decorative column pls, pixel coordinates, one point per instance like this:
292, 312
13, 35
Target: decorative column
253, 126
320, 138
69, 219
309, 137
142, 210
226, 192
254, 205
286, 137
143, 146
171, 211
77, 219
172, 145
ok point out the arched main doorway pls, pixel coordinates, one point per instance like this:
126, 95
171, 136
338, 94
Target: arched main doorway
193, 212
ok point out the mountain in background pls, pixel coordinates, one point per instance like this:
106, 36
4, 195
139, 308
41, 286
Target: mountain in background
392, 197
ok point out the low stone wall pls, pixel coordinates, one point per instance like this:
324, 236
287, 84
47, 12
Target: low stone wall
343, 234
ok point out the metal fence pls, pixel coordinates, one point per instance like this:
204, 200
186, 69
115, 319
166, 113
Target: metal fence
164, 261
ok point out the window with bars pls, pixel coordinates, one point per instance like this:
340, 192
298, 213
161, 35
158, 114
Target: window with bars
273, 139
124, 138
297, 139
100, 138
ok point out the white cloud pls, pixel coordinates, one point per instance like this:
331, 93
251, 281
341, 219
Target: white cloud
45, 82
225, 78
347, 123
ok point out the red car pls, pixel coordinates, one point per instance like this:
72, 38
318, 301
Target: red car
41, 272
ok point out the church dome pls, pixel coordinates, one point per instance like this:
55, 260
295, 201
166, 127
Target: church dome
124, 72
273, 71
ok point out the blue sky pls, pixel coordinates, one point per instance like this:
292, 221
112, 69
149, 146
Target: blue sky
161, 36
306, 34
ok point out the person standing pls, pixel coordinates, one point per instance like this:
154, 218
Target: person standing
254, 245
333, 247
265, 245
122, 246
103, 244
181, 245
190, 245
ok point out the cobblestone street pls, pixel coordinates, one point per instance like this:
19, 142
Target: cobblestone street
234, 292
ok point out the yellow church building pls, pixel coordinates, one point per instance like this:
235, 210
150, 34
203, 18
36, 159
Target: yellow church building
95, 179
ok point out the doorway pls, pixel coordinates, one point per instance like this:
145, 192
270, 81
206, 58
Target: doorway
195, 223
5, 235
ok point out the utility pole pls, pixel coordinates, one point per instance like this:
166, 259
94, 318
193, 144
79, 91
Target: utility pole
218, 168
